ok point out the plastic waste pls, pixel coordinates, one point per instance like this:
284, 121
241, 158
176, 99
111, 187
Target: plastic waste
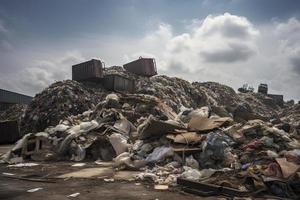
34, 190
213, 149
159, 153
119, 143
191, 162
74, 195
78, 154
194, 174
272, 154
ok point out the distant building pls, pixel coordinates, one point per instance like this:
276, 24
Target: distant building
8, 98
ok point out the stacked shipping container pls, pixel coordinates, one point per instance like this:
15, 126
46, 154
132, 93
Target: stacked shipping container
87, 71
118, 83
142, 66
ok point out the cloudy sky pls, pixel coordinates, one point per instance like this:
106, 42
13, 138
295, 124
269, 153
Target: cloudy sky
228, 41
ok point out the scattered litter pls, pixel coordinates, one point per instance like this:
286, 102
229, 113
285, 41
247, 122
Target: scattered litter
34, 190
161, 187
109, 180
8, 174
74, 194
89, 173
160, 153
104, 164
207, 124
24, 165
287, 168
79, 165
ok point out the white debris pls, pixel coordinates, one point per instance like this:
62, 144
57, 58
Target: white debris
34, 190
109, 180
119, 143
79, 165
74, 194
61, 127
8, 174
24, 165
161, 187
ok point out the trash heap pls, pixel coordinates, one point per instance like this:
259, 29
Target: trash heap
178, 93
262, 107
60, 100
13, 113
195, 145
175, 92
291, 115
201, 136
67, 98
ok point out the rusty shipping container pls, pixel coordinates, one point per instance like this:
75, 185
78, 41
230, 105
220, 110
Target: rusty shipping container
142, 66
118, 83
9, 132
87, 71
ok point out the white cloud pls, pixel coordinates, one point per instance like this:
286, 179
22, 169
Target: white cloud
289, 37
226, 38
41, 73
228, 26
214, 40
231, 50
224, 48
5, 45
3, 29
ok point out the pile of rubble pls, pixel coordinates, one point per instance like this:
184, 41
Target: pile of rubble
56, 102
13, 113
291, 115
71, 98
178, 93
202, 136
262, 106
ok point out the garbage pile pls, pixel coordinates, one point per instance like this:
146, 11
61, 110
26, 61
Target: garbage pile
56, 102
13, 113
262, 106
291, 115
175, 92
66, 98
202, 136
195, 145
178, 93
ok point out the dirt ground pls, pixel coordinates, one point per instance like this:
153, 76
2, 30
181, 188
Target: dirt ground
89, 188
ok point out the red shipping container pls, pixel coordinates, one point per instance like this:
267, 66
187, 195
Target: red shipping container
142, 66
